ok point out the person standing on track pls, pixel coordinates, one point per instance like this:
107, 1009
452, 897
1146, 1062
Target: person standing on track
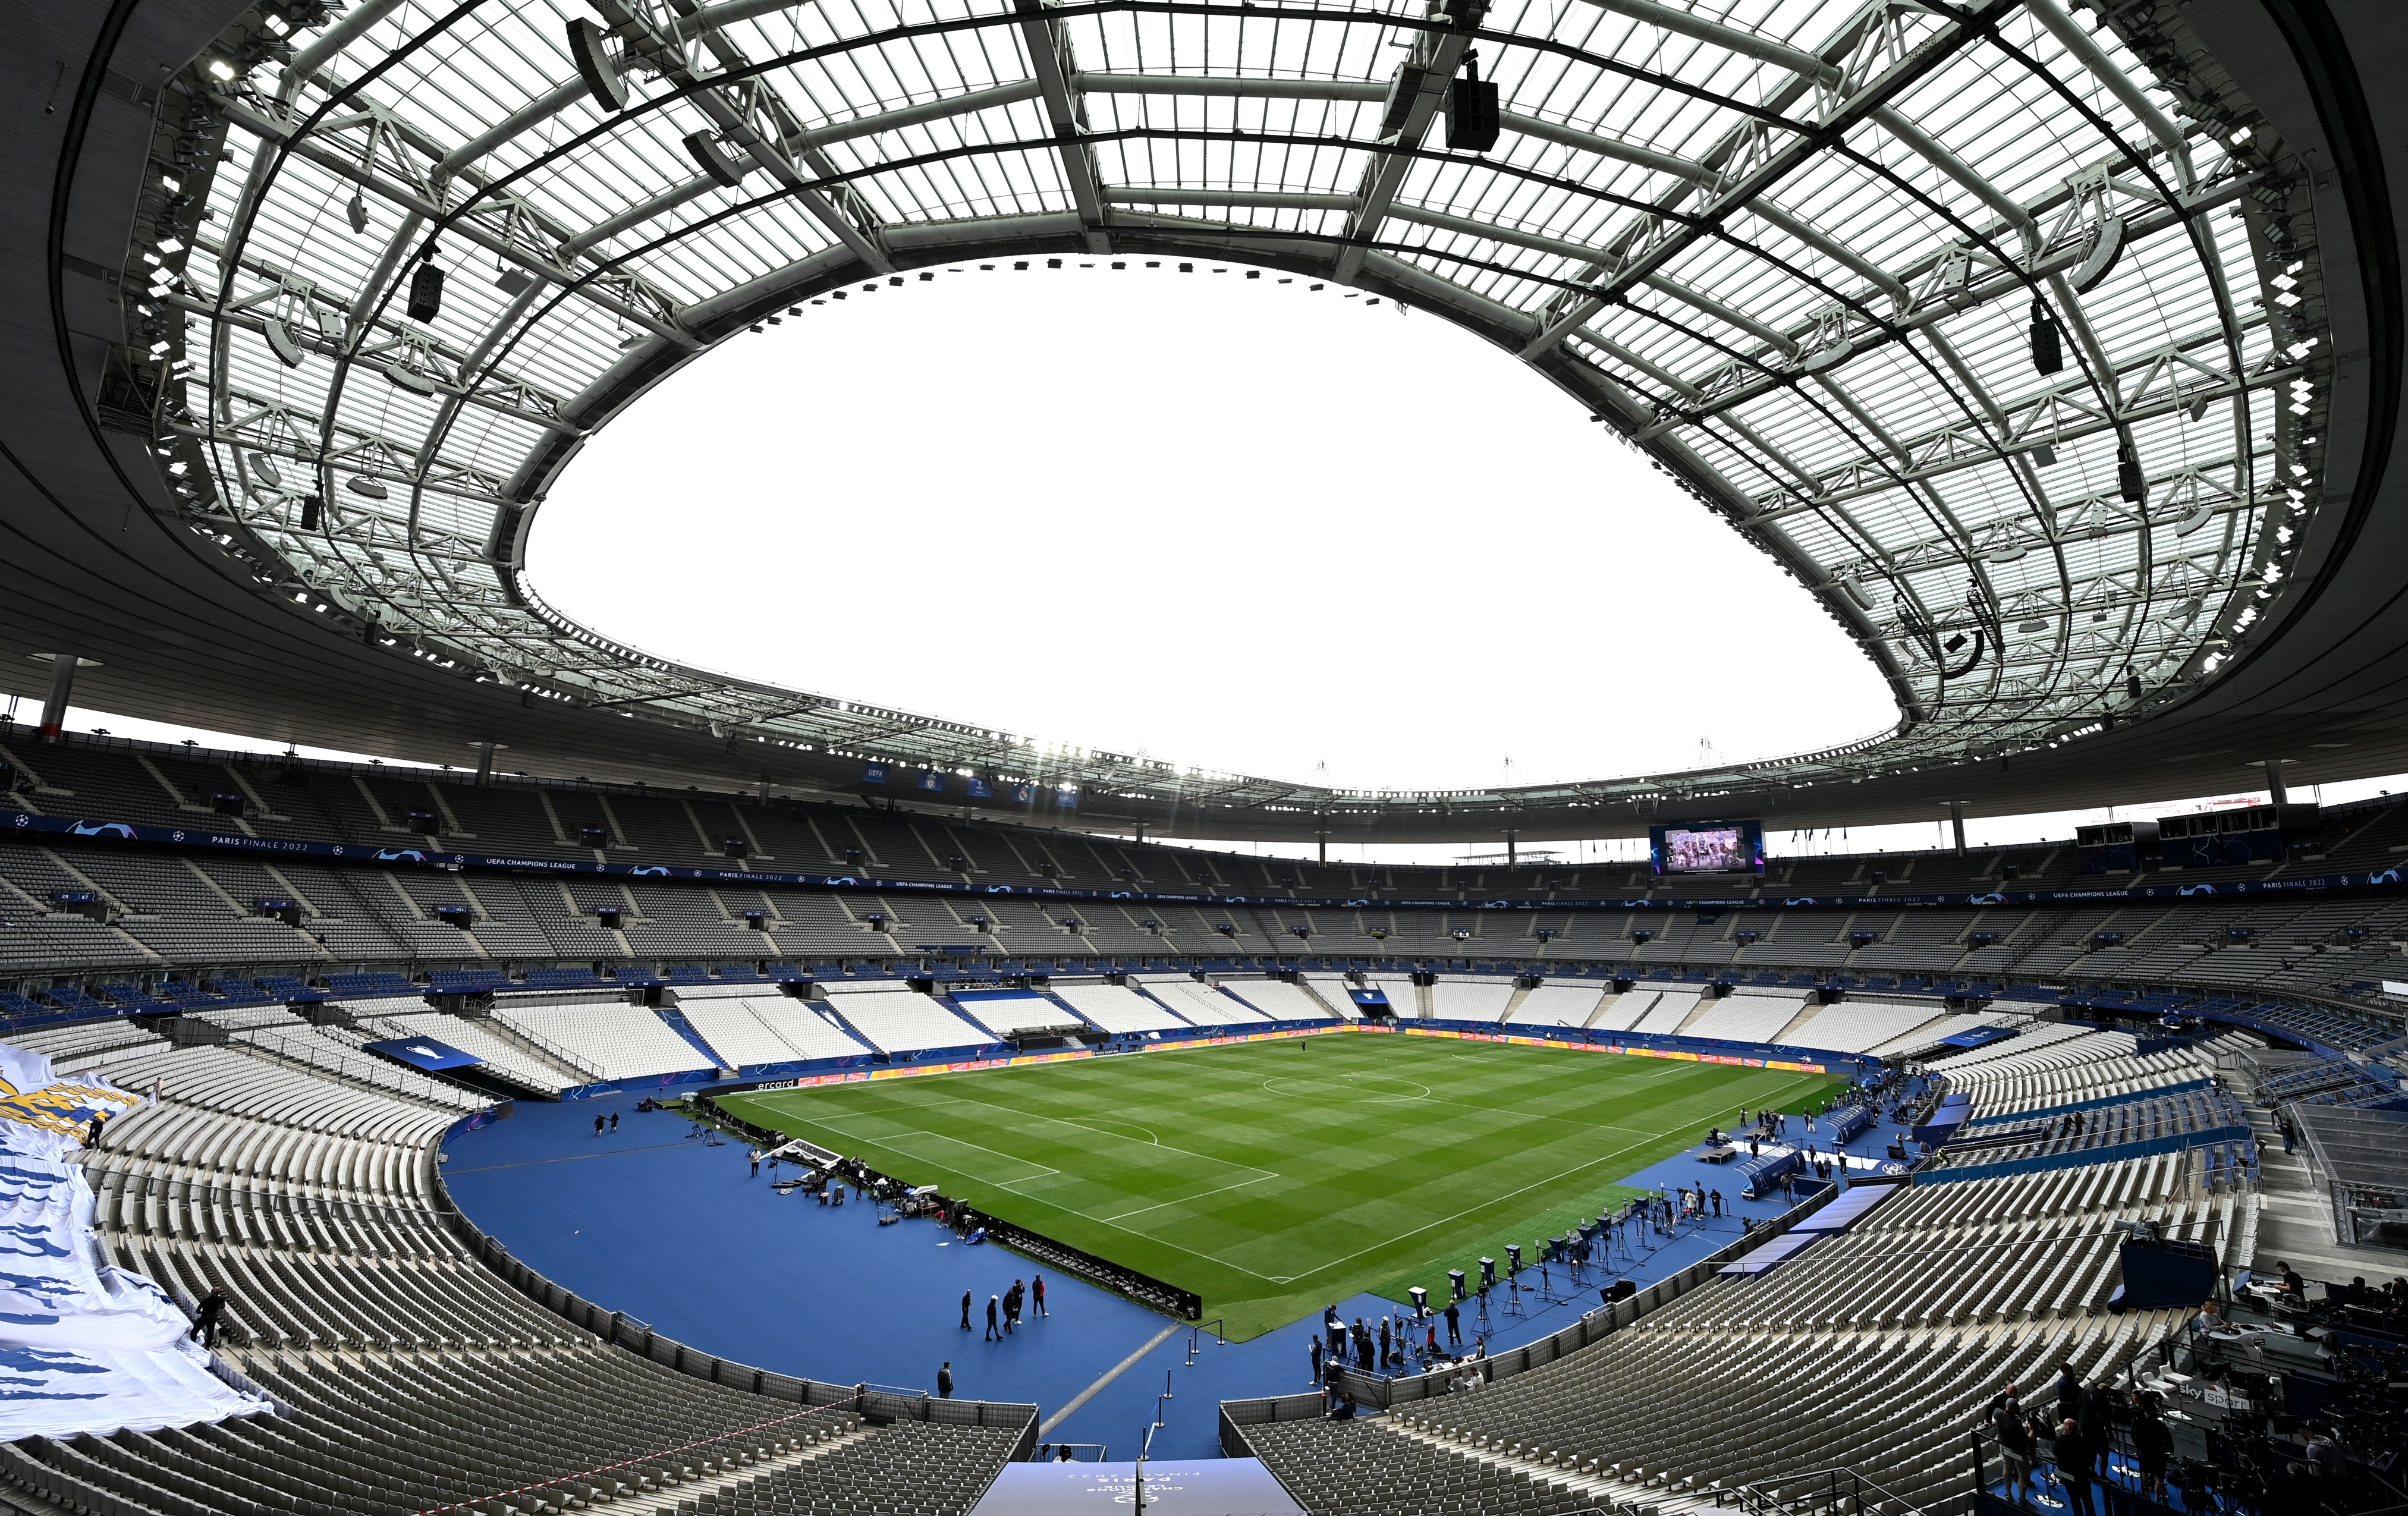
1316, 1346
1037, 1283
945, 1381
966, 1310
994, 1311
1454, 1326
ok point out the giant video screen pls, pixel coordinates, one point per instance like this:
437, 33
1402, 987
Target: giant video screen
1708, 848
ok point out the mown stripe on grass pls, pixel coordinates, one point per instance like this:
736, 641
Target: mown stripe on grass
1272, 1178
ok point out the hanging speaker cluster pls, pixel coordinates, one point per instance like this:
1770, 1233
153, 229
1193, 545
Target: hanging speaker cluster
427, 293
2129, 482
1472, 116
2047, 345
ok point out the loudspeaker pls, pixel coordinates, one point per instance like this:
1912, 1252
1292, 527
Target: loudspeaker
2129, 482
1471, 122
309, 504
427, 293
2048, 350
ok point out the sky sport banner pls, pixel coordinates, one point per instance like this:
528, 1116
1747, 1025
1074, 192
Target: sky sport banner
85, 1345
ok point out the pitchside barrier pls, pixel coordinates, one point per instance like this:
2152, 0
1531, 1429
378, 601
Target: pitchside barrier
878, 1403
1379, 1392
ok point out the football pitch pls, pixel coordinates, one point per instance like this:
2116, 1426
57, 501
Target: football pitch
1275, 1177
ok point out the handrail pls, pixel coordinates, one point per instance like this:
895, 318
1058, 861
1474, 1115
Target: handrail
325, 1057
1779, 1496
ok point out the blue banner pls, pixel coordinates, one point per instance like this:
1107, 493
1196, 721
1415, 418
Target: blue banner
1023, 793
873, 774
980, 789
932, 780
27, 827
425, 1052
1067, 798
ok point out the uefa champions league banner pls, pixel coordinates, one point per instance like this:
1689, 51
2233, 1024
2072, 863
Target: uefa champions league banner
85, 1345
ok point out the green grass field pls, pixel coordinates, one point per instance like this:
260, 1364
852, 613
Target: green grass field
1274, 1178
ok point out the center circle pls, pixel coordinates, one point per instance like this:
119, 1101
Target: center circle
1360, 1087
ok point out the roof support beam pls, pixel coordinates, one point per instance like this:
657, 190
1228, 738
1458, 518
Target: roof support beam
1258, 199
1640, 259
1225, 85
324, 156
807, 140
2119, 84
1416, 96
1050, 62
1730, 38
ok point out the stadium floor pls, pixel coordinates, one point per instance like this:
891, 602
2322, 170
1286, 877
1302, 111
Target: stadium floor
674, 1232
1273, 1178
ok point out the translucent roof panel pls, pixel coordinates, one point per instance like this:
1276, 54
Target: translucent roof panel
2001, 340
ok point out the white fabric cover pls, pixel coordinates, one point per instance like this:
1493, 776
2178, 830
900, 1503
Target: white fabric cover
85, 1345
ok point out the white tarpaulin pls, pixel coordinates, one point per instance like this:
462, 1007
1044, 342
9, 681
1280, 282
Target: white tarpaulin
85, 1345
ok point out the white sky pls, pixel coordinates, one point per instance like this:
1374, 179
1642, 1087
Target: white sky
1219, 520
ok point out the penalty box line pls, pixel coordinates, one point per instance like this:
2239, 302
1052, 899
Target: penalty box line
1100, 1221
1064, 1120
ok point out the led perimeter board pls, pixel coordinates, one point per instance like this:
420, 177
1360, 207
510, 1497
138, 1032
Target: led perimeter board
1707, 847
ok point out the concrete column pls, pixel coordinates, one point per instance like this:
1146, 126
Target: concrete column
484, 763
1510, 838
54, 707
1956, 818
2274, 782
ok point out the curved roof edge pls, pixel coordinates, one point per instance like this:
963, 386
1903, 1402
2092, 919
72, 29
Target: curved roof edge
2317, 684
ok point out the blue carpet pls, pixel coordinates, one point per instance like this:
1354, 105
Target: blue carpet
671, 1229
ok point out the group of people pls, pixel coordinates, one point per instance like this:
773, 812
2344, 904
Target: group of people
2080, 1429
1003, 1311
1390, 1344
606, 1123
1698, 1203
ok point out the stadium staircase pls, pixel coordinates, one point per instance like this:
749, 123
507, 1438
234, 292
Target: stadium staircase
684, 1028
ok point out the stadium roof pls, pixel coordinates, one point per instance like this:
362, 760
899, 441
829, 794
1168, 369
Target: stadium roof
2053, 355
